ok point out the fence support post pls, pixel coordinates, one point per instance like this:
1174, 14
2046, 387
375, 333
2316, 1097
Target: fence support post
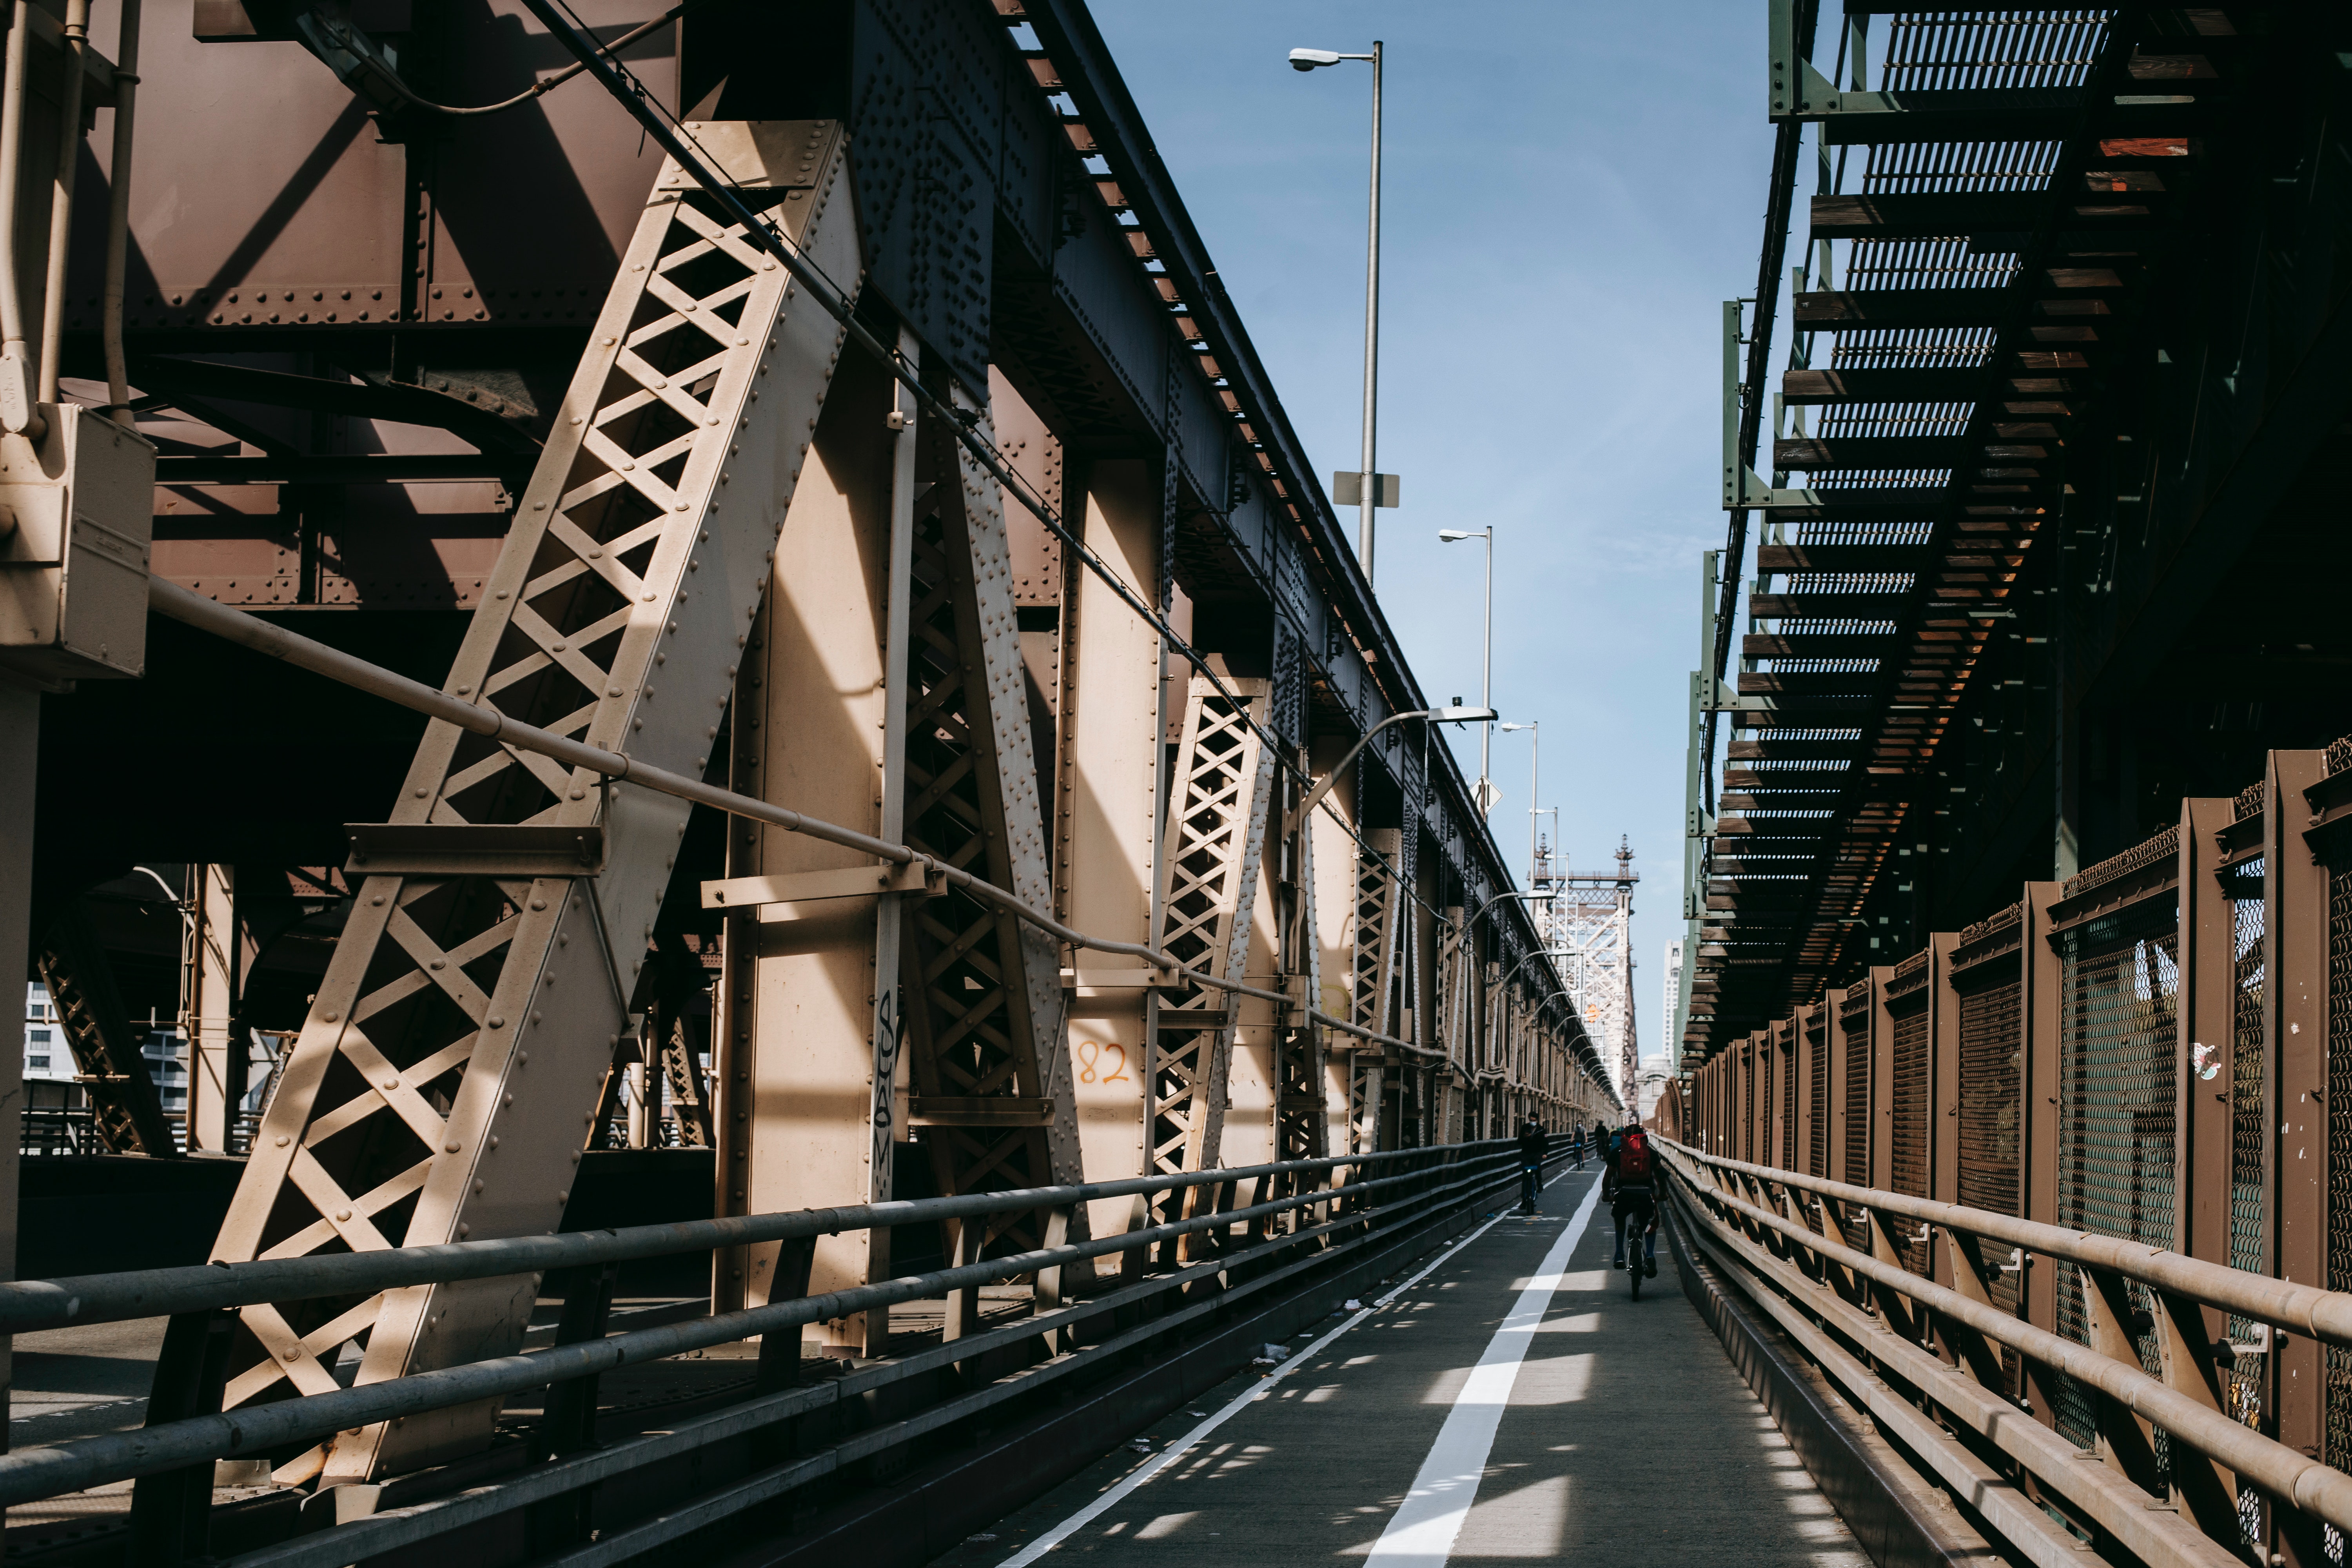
2294, 1033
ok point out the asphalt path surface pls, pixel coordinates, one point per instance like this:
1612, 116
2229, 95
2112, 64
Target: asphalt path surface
1512, 1405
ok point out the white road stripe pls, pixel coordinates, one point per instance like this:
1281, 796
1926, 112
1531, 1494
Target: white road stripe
1421, 1532
1191, 1440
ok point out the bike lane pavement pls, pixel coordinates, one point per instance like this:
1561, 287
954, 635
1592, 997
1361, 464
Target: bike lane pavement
1625, 1423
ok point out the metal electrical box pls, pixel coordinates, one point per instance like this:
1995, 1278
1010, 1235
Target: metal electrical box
76, 520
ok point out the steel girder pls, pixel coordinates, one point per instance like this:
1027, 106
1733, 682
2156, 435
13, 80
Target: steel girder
410, 1109
1377, 974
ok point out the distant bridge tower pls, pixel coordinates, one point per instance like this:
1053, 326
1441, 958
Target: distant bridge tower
1587, 923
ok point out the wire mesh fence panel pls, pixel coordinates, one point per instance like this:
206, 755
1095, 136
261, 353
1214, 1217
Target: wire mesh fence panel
1854, 1049
1817, 1094
1911, 1089
1746, 1140
1991, 1062
1991, 1087
1787, 1110
2117, 1074
2338, 1440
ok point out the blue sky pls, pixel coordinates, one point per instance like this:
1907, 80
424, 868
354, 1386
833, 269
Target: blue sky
1570, 192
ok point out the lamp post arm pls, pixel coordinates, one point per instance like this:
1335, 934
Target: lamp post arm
1443, 715
1323, 785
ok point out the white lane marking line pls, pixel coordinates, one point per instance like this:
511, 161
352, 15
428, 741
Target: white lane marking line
1177, 1450
1421, 1534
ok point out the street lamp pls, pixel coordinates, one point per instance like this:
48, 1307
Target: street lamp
1434, 715
1369, 480
1535, 776
1486, 660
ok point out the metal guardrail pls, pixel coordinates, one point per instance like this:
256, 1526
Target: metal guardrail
1255, 1228
2171, 1476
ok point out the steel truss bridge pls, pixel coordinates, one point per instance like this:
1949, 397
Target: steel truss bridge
2012, 1081
739, 640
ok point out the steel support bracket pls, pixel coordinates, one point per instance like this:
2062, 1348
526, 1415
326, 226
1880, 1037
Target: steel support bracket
774, 897
1799, 91
493, 849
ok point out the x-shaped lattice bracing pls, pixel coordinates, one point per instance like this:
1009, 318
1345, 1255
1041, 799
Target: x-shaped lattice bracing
1216, 835
988, 1025
466, 1022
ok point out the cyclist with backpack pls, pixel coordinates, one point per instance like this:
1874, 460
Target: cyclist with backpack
1531, 1155
1575, 1144
1632, 1190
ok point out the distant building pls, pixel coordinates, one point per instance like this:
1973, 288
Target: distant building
49, 1059
1674, 1013
1649, 1083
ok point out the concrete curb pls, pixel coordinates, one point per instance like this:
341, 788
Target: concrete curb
1881, 1508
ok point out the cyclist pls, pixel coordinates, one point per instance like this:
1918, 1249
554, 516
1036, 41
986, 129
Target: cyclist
1531, 1153
1629, 1188
1575, 1144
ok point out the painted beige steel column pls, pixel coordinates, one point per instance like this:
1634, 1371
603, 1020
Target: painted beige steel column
810, 701
1334, 854
211, 969
1107, 826
886, 1072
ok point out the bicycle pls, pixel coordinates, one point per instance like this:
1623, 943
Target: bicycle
1637, 1241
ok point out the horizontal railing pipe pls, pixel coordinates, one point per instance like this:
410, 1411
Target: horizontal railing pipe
168, 598
2324, 1315
381, 1531
31, 1304
79, 1464
2305, 1482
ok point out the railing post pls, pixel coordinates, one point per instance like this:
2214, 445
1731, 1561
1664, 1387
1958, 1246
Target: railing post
569, 1422
1890, 1235
2295, 1034
968, 1237
1048, 1288
2114, 1323
2185, 1351
171, 1513
1963, 1255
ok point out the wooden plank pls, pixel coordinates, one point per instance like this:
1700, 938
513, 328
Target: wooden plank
1820, 645
1800, 751
1841, 557
1921, 216
1856, 311
1904, 503
1829, 606
1830, 386
1816, 455
1811, 683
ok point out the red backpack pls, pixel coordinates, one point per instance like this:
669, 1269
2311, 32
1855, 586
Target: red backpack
1634, 1158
